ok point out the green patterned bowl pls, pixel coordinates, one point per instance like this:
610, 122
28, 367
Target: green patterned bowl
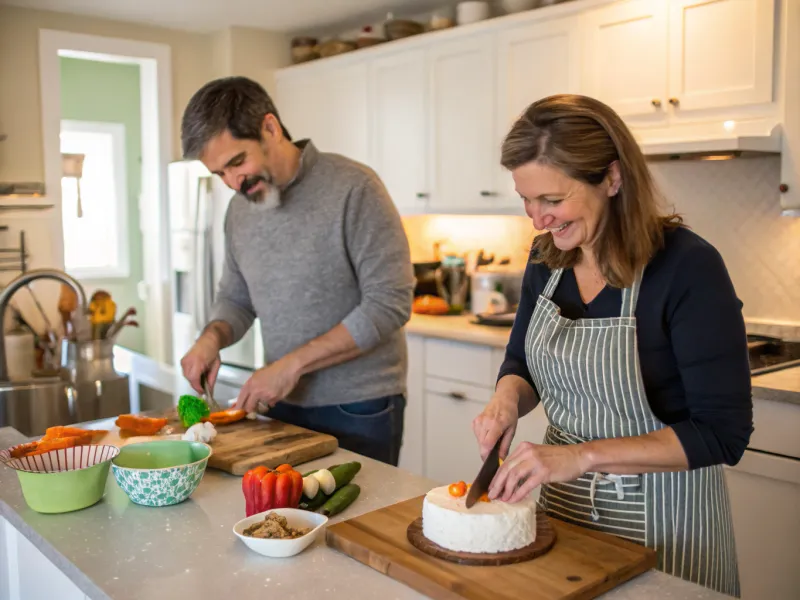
160, 473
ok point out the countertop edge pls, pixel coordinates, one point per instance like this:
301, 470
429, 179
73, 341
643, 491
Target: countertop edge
59, 561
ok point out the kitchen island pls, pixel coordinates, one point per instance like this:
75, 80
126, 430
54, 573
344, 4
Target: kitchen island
121, 551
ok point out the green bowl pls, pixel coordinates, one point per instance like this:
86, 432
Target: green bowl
160, 473
63, 480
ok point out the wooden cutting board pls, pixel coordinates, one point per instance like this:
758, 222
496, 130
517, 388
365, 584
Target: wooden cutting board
245, 444
582, 564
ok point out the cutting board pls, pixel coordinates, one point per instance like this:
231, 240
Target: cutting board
581, 564
245, 444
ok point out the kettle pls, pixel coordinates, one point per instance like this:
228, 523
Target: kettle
452, 282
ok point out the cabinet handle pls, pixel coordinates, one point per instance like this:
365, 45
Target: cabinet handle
422, 195
655, 102
674, 101
784, 187
458, 396
486, 193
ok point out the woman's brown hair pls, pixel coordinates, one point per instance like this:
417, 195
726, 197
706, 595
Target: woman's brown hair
582, 137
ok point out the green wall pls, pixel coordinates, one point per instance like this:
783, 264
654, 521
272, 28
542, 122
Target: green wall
109, 92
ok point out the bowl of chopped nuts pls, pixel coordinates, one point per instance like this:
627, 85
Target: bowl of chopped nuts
281, 532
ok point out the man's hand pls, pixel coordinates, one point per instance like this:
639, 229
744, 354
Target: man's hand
269, 385
202, 357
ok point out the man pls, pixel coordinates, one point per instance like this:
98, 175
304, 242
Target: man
316, 250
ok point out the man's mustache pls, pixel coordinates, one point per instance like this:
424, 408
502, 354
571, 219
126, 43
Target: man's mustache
250, 182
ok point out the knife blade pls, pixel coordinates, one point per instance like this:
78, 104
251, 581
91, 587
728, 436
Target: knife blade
212, 404
481, 484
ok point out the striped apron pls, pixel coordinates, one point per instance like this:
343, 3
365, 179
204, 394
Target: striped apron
588, 378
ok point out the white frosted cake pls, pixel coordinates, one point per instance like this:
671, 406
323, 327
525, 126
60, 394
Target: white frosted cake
486, 528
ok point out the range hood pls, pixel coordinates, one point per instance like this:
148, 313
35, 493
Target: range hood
717, 147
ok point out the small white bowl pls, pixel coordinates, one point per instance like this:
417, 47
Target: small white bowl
282, 548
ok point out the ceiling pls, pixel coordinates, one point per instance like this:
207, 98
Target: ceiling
210, 15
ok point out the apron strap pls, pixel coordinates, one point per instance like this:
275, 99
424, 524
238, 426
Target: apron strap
630, 297
552, 284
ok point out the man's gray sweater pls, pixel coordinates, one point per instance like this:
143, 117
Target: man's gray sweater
333, 251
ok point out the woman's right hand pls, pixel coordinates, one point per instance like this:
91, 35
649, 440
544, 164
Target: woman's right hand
499, 418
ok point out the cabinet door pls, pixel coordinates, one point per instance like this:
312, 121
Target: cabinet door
534, 61
399, 99
625, 58
451, 451
343, 112
721, 53
298, 101
413, 450
462, 121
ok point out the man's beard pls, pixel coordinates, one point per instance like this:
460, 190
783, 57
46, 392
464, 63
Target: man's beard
271, 196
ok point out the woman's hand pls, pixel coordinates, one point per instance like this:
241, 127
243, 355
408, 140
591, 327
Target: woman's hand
532, 465
499, 418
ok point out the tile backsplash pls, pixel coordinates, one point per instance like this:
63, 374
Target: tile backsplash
734, 204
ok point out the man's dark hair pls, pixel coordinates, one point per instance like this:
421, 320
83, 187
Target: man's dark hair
237, 104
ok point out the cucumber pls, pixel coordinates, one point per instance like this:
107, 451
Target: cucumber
344, 474
341, 499
315, 502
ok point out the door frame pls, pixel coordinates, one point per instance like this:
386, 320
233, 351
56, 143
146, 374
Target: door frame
154, 61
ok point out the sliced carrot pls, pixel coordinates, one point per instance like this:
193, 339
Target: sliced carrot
226, 417
139, 425
61, 431
24, 449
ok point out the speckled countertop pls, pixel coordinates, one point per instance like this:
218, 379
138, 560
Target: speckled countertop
459, 328
778, 386
121, 551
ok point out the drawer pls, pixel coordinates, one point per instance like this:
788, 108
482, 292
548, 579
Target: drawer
458, 390
775, 427
469, 363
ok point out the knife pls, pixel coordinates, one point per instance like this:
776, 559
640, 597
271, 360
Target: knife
212, 404
481, 484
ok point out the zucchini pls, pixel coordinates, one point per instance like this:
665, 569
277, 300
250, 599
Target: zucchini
344, 474
315, 502
340, 500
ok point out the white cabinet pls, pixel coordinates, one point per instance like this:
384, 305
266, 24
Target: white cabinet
720, 53
625, 58
344, 109
330, 107
399, 124
412, 456
27, 573
451, 452
655, 61
462, 104
459, 381
534, 60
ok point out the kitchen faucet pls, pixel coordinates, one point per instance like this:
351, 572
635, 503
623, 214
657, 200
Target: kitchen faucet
21, 281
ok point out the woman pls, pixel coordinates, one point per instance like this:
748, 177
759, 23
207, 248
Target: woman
630, 334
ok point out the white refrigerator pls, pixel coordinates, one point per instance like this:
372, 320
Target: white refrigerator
198, 201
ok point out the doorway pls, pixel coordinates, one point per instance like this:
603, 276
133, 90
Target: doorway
110, 224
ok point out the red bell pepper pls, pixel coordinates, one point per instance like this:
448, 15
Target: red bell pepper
265, 489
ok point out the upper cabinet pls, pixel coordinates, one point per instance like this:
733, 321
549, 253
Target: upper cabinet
462, 105
720, 53
653, 61
625, 58
534, 60
429, 113
399, 117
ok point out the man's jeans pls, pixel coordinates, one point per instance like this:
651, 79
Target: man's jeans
373, 428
